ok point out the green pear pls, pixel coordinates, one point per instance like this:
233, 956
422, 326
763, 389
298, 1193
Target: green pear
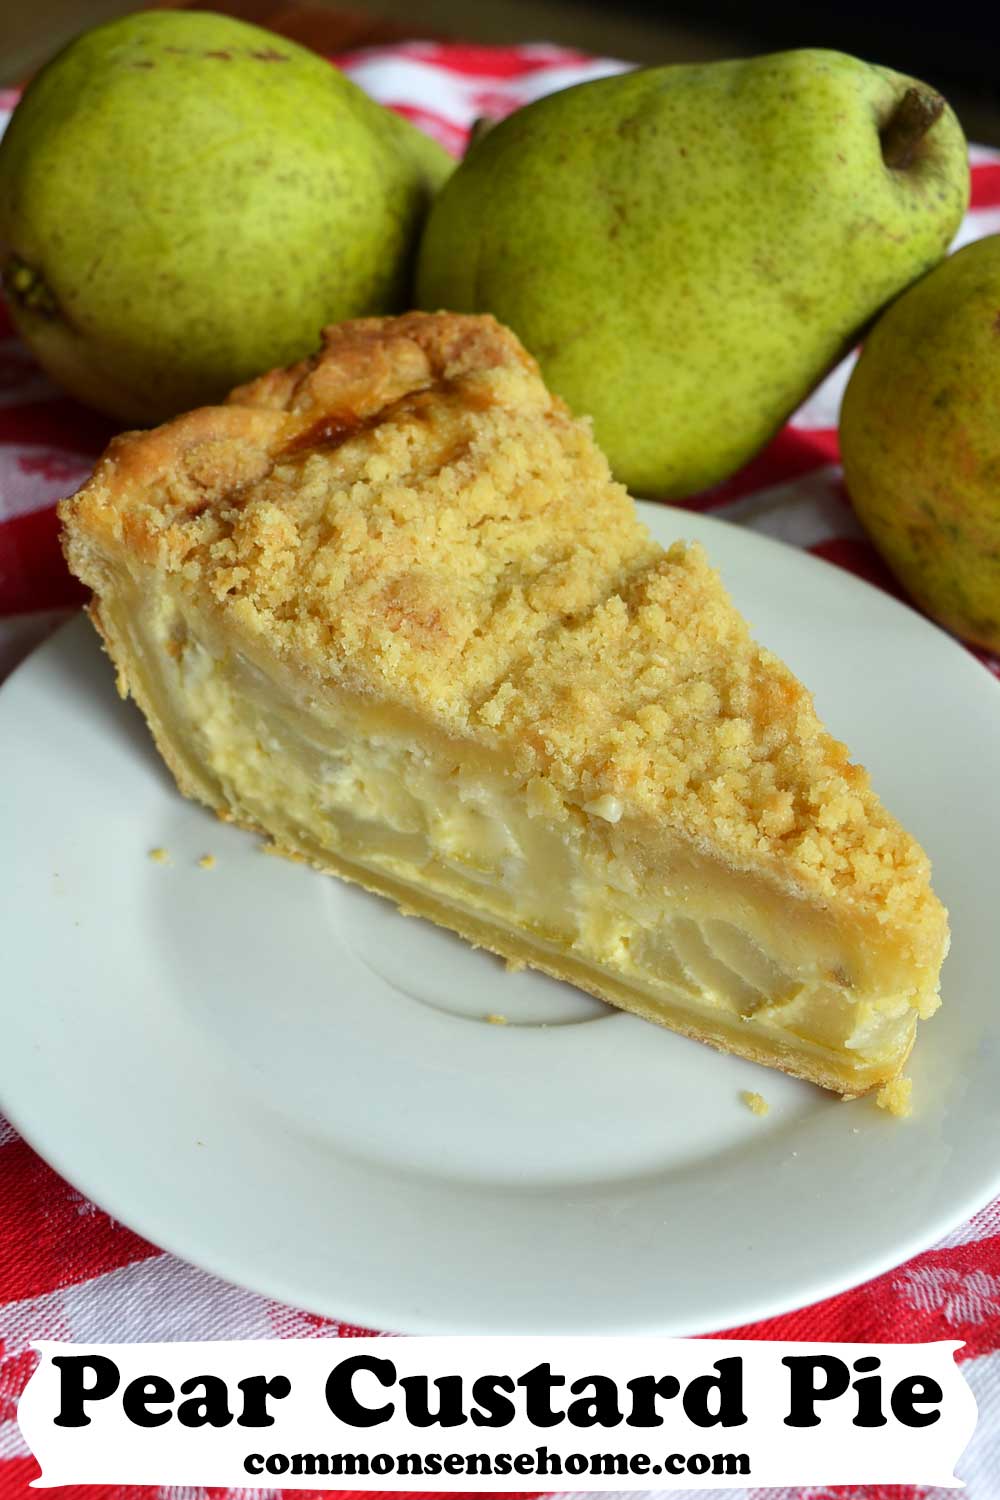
687, 250
185, 200
920, 439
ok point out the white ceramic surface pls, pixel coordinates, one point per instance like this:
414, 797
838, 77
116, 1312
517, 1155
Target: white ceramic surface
279, 1078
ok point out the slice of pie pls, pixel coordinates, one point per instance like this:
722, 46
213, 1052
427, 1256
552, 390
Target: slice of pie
389, 609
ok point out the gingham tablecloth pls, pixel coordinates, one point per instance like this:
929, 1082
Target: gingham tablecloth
67, 1270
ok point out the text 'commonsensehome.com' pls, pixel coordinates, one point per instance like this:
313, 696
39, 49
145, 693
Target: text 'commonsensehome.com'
540, 1462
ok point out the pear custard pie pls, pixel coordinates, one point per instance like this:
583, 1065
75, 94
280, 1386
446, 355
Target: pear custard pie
389, 609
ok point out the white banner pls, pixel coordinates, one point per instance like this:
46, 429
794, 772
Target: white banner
497, 1414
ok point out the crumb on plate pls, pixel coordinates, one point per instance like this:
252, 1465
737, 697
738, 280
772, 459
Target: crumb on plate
159, 856
755, 1103
496, 1020
207, 862
895, 1096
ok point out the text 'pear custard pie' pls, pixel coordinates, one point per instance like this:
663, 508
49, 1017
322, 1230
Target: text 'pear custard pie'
389, 609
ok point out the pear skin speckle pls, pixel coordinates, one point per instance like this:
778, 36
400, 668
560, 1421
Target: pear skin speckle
687, 250
188, 199
921, 442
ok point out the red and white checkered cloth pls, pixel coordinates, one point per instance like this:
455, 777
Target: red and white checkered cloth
68, 1271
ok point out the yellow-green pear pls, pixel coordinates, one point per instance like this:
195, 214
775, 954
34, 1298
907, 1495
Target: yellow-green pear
920, 439
687, 250
186, 199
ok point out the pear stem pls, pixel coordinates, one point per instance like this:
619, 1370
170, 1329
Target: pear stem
906, 127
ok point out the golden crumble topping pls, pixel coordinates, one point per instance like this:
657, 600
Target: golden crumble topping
412, 513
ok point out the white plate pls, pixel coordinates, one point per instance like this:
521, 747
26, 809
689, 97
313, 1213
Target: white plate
279, 1078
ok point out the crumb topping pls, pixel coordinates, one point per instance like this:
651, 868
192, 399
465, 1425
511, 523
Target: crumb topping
411, 513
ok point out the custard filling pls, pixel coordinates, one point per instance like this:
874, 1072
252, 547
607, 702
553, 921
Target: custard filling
344, 785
